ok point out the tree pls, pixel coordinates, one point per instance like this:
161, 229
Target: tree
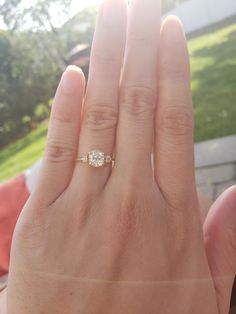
56, 36
27, 79
39, 17
32, 59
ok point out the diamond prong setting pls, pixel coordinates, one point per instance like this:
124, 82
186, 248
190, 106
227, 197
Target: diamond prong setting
96, 158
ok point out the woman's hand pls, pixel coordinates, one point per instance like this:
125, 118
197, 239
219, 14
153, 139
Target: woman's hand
127, 239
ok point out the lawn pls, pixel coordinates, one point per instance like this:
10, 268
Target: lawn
213, 62
18, 156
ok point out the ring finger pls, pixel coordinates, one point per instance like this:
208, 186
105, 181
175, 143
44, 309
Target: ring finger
101, 102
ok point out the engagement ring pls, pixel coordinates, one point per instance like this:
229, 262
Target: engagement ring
96, 158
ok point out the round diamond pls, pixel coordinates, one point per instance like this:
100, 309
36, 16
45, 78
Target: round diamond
96, 158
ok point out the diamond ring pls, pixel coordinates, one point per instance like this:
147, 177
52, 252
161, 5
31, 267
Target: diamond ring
96, 158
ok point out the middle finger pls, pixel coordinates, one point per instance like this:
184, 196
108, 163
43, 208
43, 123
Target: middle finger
138, 87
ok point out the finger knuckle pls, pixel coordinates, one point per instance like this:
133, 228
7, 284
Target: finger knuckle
138, 100
65, 116
177, 73
141, 39
100, 117
104, 59
59, 151
177, 121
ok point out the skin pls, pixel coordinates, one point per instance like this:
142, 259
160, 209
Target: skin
220, 243
3, 298
129, 239
205, 204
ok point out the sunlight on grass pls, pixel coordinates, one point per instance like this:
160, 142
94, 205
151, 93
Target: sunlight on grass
213, 63
20, 155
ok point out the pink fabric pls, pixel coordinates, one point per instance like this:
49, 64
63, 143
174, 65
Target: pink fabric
13, 196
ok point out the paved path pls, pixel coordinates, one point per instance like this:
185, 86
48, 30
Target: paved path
216, 165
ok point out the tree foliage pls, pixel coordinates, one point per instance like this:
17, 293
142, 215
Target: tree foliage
27, 79
33, 53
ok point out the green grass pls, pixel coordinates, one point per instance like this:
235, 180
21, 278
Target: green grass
213, 61
20, 155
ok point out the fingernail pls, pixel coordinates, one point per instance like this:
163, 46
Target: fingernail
70, 84
174, 28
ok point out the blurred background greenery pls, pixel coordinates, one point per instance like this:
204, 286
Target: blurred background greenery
37, 42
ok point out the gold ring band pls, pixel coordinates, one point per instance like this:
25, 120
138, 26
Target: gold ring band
96, 158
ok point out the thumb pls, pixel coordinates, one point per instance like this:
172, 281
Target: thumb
220, 243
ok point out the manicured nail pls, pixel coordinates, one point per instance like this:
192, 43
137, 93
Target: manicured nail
70, 78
